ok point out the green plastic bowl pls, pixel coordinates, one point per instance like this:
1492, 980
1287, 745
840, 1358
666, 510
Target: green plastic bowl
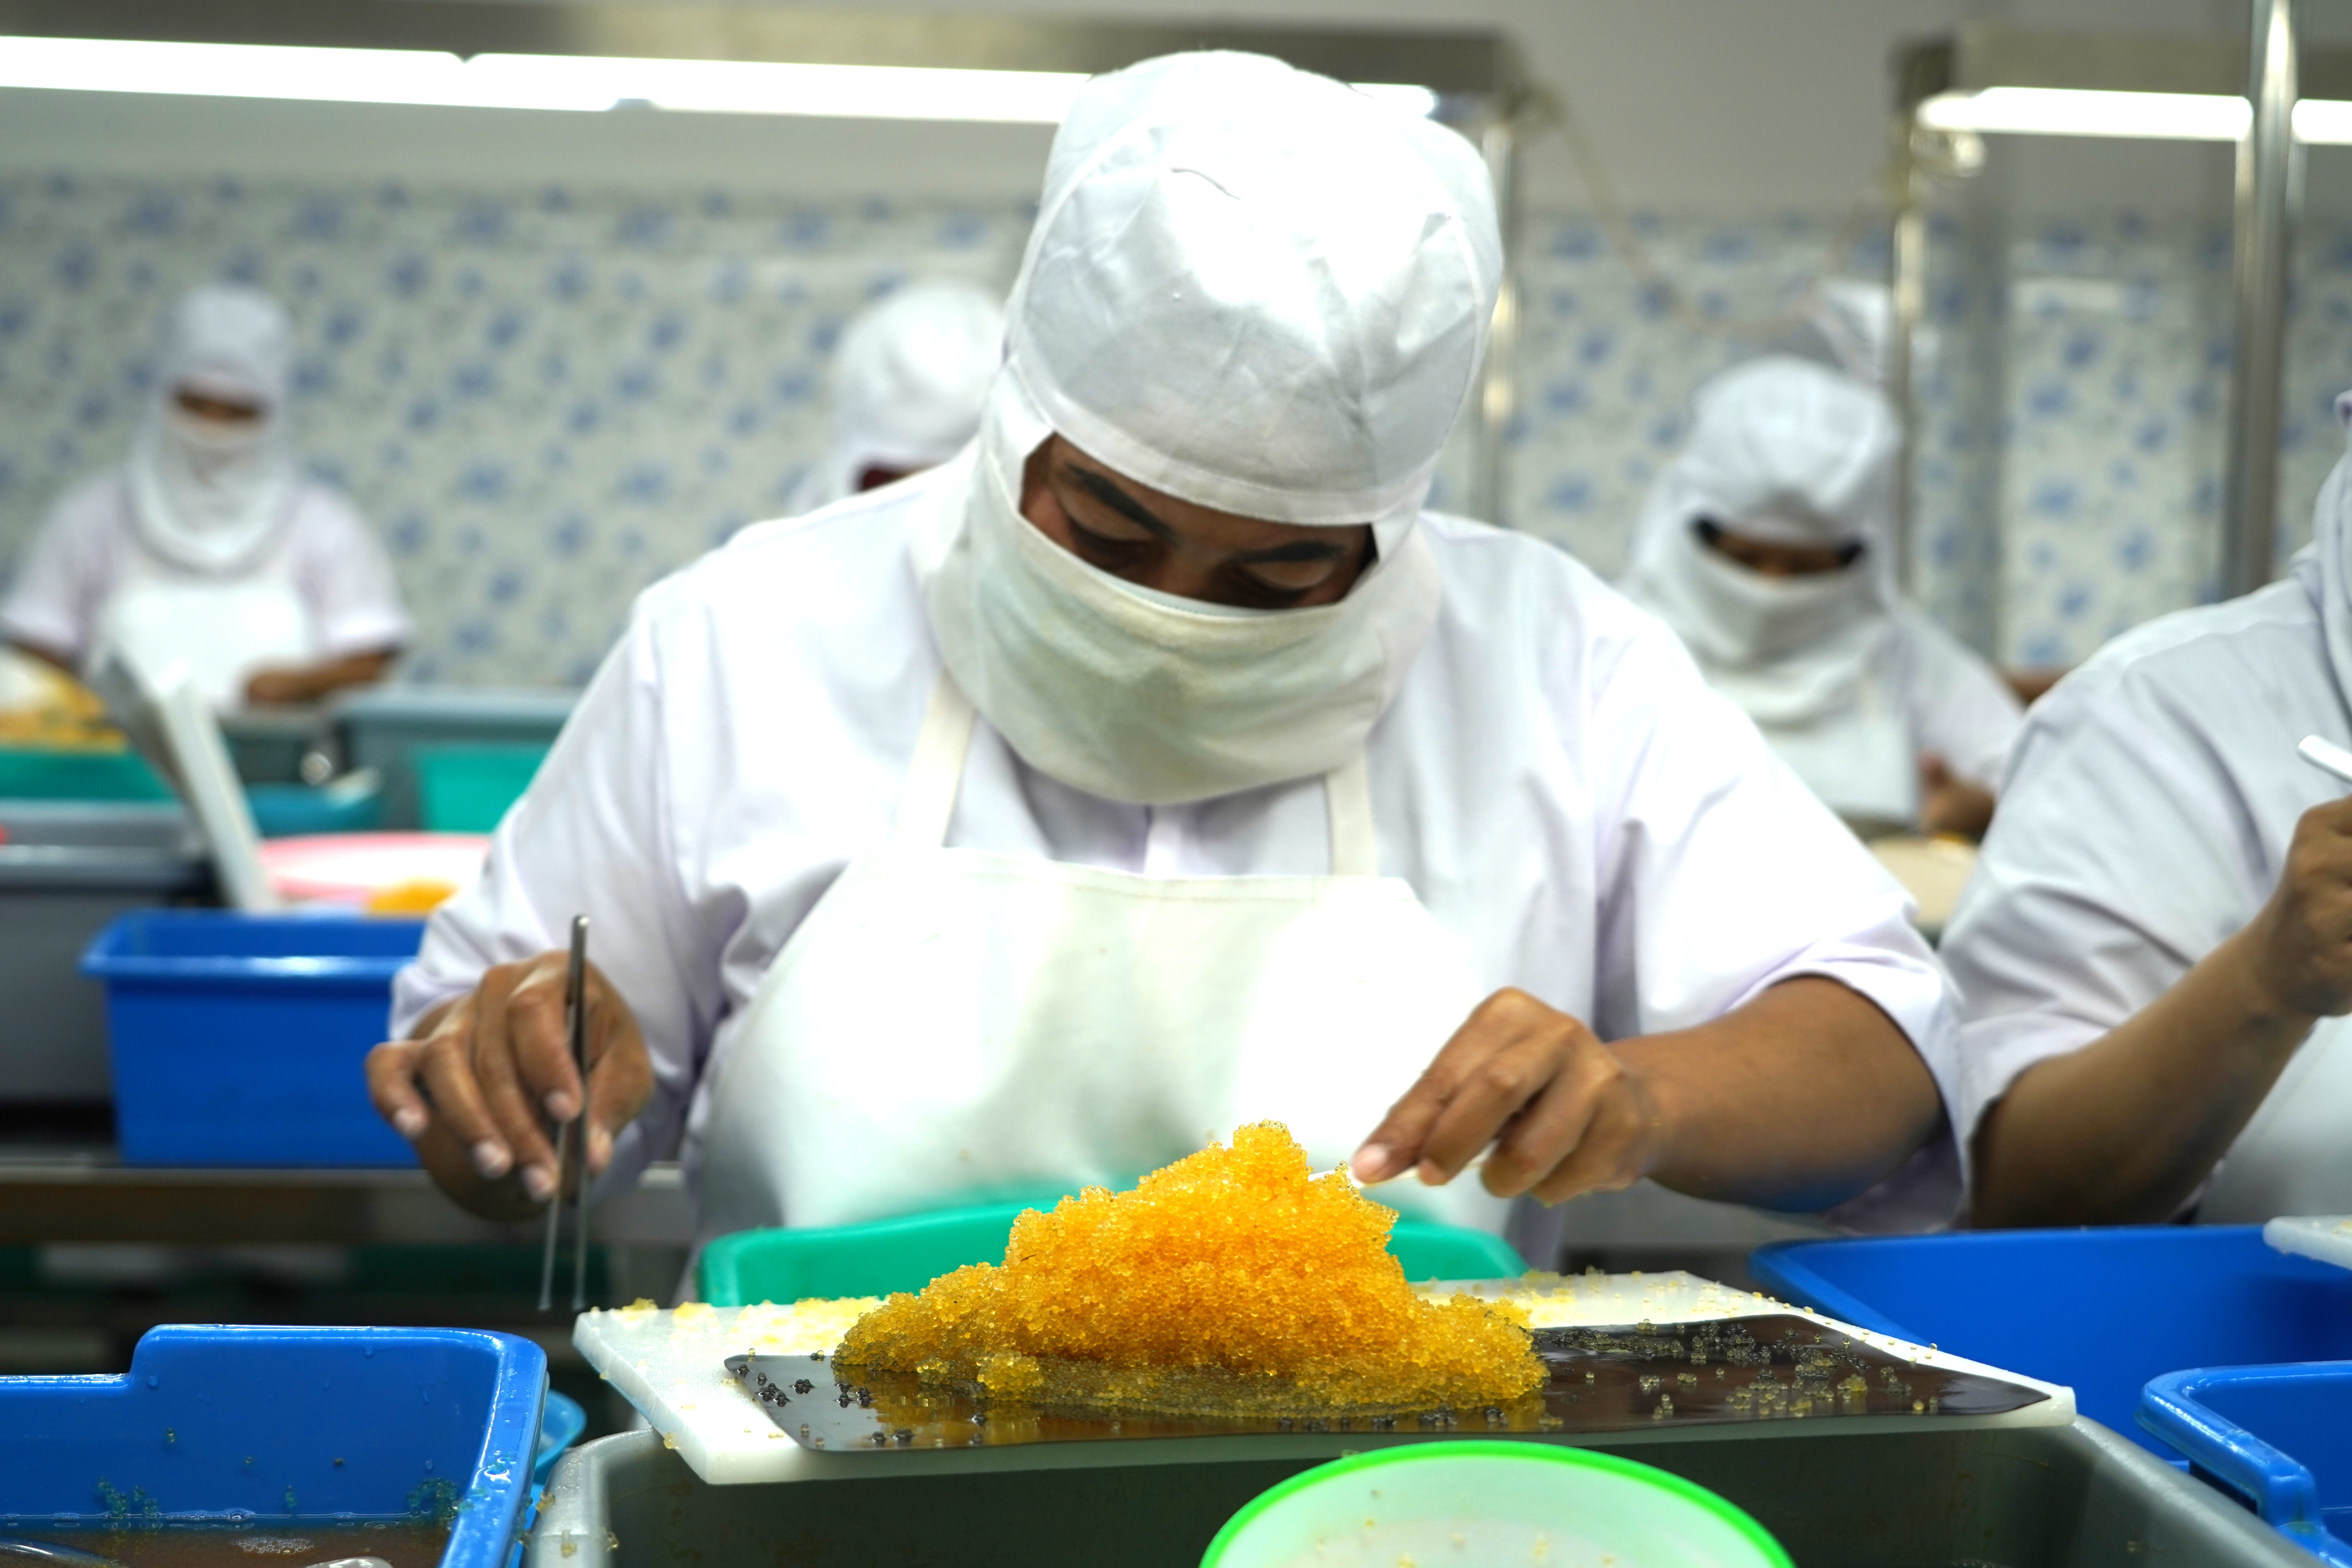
1484, 1503
875, 1258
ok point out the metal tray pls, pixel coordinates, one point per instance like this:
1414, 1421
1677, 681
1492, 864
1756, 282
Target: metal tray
1720, 1371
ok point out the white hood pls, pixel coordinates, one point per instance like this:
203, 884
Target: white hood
1259, 291
1790, 451
206, 497
908, 380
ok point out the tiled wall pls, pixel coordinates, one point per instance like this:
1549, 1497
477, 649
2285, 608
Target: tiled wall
2072, 397
544, 399
547, 398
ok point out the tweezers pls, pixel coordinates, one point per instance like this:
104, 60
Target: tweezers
576, 1019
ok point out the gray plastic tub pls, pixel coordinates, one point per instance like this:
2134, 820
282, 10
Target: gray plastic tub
380, 726
267, 745
2015, 1497
67, 870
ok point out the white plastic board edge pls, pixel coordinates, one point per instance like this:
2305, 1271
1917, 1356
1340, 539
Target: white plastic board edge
202, 759
2327, 1237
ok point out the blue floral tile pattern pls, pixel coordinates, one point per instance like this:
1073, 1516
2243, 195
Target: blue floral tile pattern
546, 399
1606, 367
542, 400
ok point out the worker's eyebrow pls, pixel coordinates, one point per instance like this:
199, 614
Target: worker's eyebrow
1105, 489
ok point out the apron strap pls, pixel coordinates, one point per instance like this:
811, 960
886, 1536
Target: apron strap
926, 803
1348, 797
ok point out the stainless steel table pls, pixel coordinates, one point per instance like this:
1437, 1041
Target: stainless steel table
214, 1246
50, 1195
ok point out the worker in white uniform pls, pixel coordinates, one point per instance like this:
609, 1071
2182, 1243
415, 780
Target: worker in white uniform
209, 554
2156, 950
1158, 765
1767, 543
908, 380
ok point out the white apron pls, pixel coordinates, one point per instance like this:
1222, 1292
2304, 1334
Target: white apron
2296, 1156
218, 631
953, 1026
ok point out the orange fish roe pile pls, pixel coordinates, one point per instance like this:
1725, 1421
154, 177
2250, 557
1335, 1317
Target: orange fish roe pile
1234, 1280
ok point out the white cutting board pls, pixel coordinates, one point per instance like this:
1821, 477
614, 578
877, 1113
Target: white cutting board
2326, 1237
672, 1366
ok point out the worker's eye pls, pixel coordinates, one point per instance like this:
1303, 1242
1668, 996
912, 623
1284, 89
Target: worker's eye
1111, 544
1291, 578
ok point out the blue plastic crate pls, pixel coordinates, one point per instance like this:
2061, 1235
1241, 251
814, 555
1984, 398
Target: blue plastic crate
279, 1425
240, 1039
2280, 1438
2101, 1310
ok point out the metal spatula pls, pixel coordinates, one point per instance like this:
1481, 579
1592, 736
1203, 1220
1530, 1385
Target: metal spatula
1722, 1371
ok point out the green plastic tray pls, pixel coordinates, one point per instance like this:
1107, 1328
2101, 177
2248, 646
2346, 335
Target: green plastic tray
28, 772
466, 789
908, 1253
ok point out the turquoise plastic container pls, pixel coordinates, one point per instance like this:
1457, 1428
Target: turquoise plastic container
29, 772
559, 1426
907, 1254
295, 811
468, 789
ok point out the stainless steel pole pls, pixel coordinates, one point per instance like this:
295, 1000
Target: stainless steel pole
2265, 227
1907, 289
1498, 393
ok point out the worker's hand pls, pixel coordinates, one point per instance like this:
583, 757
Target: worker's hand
1948, 802
279, 687
283, 684
1565, 1113
488, 1072
2299, 948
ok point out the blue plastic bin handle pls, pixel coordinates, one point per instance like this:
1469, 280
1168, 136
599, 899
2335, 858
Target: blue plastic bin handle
2281, 1489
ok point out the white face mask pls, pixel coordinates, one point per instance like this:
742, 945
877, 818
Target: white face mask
1141, 697
1755, 619
1787, 650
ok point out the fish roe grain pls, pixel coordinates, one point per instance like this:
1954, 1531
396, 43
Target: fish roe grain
1234, 1280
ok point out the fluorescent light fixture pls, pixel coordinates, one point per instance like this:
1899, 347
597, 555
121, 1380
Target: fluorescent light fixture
2170, 116
2066, 112
2325, 121
761, 87
232, 70
578, 82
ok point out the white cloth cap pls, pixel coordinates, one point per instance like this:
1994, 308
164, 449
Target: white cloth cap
1261, 292
208, 497
1855, 321
1257, 289
1790, 451
909, 382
